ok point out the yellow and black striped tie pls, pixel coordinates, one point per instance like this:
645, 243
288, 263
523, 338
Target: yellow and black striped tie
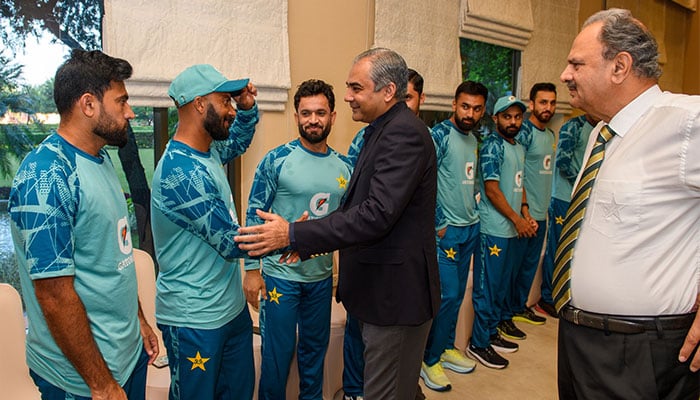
574, 217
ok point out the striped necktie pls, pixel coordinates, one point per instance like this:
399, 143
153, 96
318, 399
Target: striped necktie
574, 218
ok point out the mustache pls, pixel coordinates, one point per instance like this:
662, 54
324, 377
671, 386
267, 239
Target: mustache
570, 85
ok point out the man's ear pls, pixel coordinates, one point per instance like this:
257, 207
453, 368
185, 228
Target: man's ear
389, 91
622, 66
198, 104
88, 104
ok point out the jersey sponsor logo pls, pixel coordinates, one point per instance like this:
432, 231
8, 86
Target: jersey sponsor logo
469, 170
547, 162
124, 236
518, 180
319, 204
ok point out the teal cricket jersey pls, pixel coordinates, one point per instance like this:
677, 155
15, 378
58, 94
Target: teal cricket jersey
194, 222
457, 171
539, 148
288, 181
69, 218
573, 138
503, 162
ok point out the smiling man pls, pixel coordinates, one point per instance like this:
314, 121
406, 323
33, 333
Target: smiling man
302, 176
200, 306
385, 229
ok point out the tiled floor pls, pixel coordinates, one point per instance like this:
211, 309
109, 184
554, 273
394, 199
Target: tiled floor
531, 374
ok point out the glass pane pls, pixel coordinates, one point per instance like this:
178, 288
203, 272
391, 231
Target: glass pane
494, 66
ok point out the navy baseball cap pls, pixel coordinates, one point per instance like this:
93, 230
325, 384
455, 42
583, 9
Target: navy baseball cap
200, 80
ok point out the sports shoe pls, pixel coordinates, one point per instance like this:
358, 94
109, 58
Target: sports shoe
530, 317
487, 356
501, 345
456, 361
347, 397
434, 377
509, 330
547, 308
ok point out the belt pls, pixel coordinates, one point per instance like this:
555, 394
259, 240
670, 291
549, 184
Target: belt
626, 324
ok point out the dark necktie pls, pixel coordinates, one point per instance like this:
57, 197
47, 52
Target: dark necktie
574, 219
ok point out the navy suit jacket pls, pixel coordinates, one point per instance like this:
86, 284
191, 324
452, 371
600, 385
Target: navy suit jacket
385, 228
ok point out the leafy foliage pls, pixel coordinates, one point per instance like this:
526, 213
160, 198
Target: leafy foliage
492, 65
75, 23
41, 97
14, 140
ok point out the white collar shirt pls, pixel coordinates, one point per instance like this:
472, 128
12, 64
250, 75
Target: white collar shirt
638, 250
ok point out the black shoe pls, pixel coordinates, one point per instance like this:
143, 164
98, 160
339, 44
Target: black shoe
503, 346
548, 308
487, 356
529, 317
509, 330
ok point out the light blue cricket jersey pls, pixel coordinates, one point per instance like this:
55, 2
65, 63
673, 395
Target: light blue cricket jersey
503, 162
69, 218
573, 138
539, 148
194, 222
288, 181
355, 146
457, 170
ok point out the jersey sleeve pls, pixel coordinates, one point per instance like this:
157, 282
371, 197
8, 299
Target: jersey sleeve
192, 200
43, 206
240, 135
355, 146
566, 162
439, 135
524, 137
263, 190
491, 159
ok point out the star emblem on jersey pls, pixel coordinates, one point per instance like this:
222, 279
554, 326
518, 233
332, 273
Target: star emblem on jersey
198, 362
559, 220
342, 182
274, 295
450, 253
495, 251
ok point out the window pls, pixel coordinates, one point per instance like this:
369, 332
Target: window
495, 66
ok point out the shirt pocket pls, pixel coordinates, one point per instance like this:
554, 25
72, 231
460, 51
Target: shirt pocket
616, 210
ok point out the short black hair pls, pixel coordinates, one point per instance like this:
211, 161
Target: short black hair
542, 87
312, 87
86, 72
473, 88
416, 80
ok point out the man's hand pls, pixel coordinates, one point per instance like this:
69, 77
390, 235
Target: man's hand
246, 100
258, 240
150, 341
254, 287
524, 227
690, 344
441, 232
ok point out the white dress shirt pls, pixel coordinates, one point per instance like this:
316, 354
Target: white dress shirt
638, 251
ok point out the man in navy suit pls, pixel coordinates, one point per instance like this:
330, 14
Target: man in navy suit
389, 277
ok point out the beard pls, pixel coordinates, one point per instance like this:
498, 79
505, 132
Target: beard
108, 129
509, 132
543, 117
314, 138
215, 125
465, 124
